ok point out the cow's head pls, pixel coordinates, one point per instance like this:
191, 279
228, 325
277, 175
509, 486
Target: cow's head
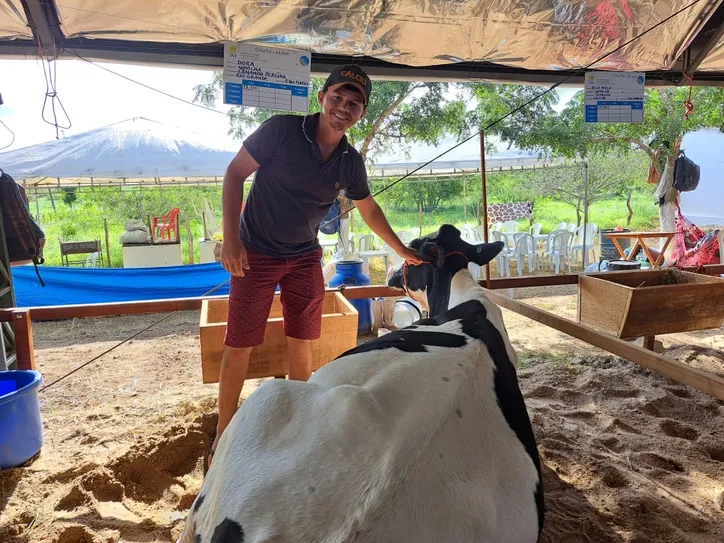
444, 254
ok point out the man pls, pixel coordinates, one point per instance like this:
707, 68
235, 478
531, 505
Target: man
301, 165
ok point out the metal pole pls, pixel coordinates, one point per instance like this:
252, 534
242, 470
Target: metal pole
485, 203
585, 212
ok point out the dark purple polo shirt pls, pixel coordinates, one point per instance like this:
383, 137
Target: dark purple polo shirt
294, 189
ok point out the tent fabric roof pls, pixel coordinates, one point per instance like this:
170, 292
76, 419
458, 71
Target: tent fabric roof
527, 40
136, 148
13, 21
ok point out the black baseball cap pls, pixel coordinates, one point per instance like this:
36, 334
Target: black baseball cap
351, 74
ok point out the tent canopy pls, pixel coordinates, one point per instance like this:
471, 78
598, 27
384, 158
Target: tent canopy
137, 149
143, 152
520, 40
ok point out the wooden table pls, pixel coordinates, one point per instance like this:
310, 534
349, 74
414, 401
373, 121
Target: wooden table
640, 237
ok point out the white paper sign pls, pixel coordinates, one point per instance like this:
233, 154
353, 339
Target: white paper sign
266, 77
614, 97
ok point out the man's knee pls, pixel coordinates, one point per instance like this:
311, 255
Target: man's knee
236, 354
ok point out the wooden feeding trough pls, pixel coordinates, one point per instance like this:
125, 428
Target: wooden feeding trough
646, 303
339, 334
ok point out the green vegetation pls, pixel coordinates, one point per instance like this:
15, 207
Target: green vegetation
451, 200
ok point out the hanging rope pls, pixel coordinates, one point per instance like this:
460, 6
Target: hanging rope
688, 104
12, 136
51, 92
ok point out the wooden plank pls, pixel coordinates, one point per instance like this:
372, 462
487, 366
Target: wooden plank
696, 378
669, 309
603, 304
649, 343
23, 329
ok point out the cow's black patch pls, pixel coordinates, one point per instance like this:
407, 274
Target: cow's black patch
198, 503
474, 321
228, 531
410, 341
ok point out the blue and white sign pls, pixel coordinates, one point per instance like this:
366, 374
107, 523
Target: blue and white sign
266, 77
614, 97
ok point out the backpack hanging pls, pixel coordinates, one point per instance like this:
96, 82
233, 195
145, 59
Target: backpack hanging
22, 233
330, 224
686, 173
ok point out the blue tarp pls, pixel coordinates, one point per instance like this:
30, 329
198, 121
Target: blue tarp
101, 285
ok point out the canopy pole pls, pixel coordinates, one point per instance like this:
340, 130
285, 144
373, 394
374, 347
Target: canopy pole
485, 203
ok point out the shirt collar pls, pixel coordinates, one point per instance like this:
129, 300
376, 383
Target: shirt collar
309, 127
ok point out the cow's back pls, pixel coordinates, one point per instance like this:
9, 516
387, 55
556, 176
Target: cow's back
398, 443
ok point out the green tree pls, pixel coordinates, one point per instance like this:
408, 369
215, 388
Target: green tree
69, 196
608, 175
659, 136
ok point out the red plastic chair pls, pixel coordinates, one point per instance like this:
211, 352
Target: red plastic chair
166, 224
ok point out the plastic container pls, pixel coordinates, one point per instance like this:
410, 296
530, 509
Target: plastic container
349, 273
623, 265
21, 430
407, 311
608, 249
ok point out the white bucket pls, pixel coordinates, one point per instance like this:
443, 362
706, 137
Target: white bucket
407, 311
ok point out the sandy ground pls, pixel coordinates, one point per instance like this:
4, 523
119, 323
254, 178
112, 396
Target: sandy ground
629, 456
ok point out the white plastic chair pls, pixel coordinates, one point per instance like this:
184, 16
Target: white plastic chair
497, 226
556, 249
503, 258
91, 259
535, 229
525, 246
405, 236
571, 228
364, 243
559, 226
577, 244
510, 226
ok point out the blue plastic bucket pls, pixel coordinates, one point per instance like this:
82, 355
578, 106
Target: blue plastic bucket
21, 430
349, 273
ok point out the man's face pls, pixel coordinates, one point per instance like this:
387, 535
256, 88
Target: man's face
342, 106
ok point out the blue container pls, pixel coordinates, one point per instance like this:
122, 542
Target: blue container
349, 273
21, 431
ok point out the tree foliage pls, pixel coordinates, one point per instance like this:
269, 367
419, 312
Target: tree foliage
608, 176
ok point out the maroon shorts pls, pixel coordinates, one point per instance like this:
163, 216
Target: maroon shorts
301, 283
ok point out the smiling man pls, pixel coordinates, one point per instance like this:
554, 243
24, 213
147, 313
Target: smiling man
302, 164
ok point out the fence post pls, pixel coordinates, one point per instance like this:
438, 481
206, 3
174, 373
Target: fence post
24, 351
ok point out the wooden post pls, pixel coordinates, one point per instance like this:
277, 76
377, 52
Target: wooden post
419, 218
649, 342
465, 198
190, 240
108, 246
37, 206
484, 210
206, 230
23, 330
150, 229
52, 202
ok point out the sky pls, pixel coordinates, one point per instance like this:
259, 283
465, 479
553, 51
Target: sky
94, 98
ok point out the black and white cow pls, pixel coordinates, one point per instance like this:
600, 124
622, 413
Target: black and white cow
421, 435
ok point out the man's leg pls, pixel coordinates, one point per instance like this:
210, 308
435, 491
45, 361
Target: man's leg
299, 358
302, 297
250, 300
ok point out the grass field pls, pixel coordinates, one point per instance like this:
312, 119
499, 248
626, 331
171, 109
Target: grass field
82, 218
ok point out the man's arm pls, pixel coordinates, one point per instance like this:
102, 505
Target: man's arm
233, 253
375, 218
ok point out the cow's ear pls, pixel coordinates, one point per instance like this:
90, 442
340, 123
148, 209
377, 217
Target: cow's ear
432, 253
485, 252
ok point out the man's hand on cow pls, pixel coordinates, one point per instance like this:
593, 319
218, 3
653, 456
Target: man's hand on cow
233, 257
410, 255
